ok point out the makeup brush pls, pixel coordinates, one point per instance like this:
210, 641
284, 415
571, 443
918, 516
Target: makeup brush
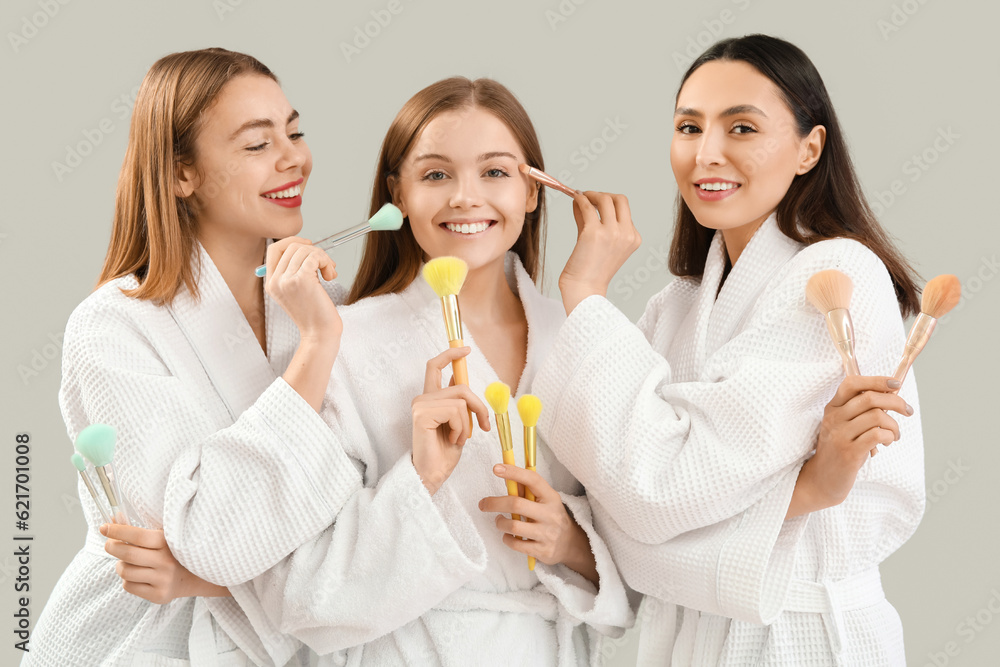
498, 396
97, 444
530, 409
545, 179
830, 292
387, 218
940, 295
446, 275
81, 465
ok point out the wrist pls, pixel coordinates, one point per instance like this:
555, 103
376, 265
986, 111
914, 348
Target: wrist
574, 292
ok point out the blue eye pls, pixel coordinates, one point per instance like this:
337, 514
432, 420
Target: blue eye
433, 176
496, 172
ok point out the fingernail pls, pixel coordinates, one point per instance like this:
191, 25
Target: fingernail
480, 504
909, 409
499, 469
894, 384
103, 529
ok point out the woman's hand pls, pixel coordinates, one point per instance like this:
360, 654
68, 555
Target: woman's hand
552, 536
149, 570
292, 281
606, 238
441, 422
854, 422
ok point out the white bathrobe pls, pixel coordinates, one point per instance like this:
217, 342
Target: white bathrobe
689, 431
202, 416
406, 578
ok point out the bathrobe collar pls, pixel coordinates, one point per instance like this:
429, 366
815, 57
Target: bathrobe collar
725, 312
223, 340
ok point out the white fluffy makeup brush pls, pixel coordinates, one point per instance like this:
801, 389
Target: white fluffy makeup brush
830, 292
940, 295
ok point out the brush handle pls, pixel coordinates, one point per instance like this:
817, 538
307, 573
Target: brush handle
330, 242
920, 333
117, 513
93, 494
528, 495
460, 371
508, 459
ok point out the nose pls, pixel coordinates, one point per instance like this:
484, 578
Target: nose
465, 193
710, 149
292, 154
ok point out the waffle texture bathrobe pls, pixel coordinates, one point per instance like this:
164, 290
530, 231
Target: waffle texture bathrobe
689, 431
406, 578
202, 416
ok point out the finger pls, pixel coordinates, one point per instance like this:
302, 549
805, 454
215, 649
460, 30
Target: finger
458, 422
472, 401
623, 213
531, 531
508, 505
136, 573
327, 267
276, 251
432, 376
527, 547
144, 591
873, 418
301, 259
876, 436
855, 384
528, 478
140, 537
605, 206
129, 553
876, 400
584, 212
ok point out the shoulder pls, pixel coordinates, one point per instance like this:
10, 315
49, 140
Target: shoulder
671, 301
108, 307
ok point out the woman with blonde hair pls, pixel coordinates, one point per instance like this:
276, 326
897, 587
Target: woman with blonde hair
212, 381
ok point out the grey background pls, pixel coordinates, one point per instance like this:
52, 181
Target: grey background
902, 73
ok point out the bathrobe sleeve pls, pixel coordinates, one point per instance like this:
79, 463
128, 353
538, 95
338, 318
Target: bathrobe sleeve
115, 374
394, 552
607, 607
694, 478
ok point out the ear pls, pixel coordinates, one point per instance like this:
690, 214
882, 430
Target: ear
531, 202
394, 191
186, 180
810, 149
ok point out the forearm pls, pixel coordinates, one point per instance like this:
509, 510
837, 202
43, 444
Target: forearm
808, 495
580, 557
309, 371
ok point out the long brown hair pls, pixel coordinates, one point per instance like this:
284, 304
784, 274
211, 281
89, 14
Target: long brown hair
826, 202
153, 231
391, 261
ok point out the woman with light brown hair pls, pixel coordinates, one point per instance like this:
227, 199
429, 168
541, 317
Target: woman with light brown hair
212, 379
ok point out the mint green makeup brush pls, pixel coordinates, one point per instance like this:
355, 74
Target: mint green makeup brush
97, 444
81, 465
388, 218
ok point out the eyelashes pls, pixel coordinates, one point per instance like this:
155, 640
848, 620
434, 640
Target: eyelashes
295, 136
438, 175
740, 127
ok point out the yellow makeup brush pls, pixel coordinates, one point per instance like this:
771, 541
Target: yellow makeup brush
446, 275
530, 409
940, 295
498, 396
830, 292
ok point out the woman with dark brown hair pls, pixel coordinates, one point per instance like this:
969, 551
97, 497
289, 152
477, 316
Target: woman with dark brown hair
212, 381
726, 458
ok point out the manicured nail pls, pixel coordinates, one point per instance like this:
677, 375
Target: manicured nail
499, 469
480, 504
103, 529
894, 384
909, 409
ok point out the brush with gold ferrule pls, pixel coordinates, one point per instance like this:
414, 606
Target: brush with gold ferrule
498, 396
446, 275
940, 295
81, 466
830, 292
529, 407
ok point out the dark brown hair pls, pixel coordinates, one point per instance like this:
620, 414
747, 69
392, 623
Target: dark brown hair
153, 230
391, 261
826, 202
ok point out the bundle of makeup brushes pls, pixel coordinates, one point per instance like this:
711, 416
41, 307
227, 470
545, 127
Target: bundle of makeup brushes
831, 291
96, 444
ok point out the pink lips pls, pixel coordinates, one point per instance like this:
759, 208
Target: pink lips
285, 202
715, 195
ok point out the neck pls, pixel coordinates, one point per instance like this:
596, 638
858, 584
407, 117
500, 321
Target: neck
487, 299
737, 238
236, 258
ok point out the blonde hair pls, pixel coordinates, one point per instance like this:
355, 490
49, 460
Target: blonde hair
391, 261
153, 230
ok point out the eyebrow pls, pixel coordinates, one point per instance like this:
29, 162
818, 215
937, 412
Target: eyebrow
261, 122
481, 158
731, 111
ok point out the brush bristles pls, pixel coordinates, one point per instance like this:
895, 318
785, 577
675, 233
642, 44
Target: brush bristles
941, 294
829, 290
446, 275
97, 444
530, 409
78, 462
498, 396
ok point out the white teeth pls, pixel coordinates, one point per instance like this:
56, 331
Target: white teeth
718, 186
293, 191
467, 227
